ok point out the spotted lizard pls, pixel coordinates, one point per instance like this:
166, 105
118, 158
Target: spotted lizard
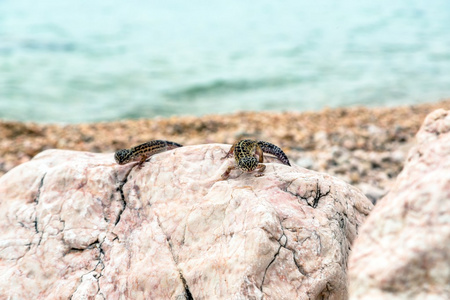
141, 152
245, 152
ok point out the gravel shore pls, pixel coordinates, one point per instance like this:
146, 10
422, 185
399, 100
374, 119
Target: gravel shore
363, 146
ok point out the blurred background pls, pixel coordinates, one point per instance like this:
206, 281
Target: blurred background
86, 61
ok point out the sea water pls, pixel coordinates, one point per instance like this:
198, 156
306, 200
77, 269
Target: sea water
91, 60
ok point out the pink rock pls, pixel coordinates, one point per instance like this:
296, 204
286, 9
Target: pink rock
76, 224
403, 251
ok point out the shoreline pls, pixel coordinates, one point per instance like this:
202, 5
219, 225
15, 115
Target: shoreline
363, 146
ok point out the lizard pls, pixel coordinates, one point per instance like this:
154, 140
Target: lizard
245, 152
143, 151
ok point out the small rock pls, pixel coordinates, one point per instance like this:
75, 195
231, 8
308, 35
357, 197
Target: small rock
372, 192
305, 162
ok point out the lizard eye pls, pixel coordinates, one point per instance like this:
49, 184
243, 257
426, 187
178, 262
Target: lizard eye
122, 156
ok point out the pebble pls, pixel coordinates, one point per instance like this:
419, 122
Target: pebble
305, 162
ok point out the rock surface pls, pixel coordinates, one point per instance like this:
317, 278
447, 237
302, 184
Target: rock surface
75, 224
403, 251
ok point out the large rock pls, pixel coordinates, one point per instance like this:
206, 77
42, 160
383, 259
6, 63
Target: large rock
75, 224
403, 251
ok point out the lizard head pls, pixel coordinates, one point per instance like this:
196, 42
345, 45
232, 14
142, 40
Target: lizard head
248, 164
123, 156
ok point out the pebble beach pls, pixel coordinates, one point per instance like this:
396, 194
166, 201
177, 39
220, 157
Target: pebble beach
365, 147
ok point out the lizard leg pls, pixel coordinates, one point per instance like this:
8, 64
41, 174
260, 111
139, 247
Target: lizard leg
230, 152
260, 169
142, 160
227, 172
259, 152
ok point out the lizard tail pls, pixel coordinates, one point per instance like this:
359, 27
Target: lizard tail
274, 150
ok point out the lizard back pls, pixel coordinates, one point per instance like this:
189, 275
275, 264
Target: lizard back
244, 148
142, 151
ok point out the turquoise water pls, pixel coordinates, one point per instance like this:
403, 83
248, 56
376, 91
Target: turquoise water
77, 61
